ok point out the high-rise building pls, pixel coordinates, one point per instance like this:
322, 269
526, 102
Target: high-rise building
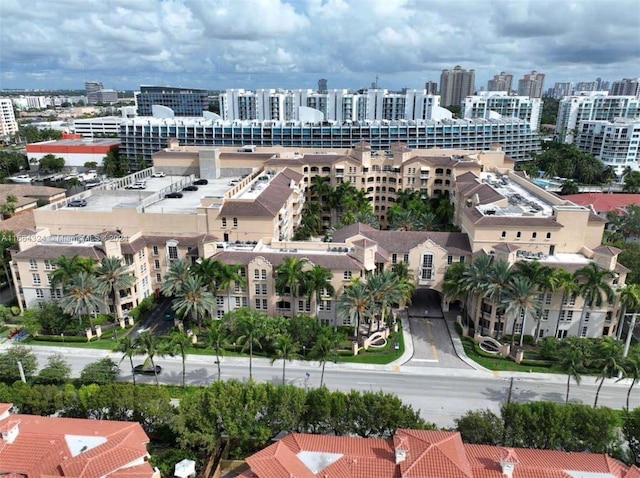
8, 124
431, 87
498, 104
322, 85
560, 90
501, 82
531, 85
182, 101
592, 106
91, 89
626, 87
601, 85
456, 85
586, 86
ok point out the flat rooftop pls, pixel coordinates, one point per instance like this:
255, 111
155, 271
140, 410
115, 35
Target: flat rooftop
80, 142
522, 202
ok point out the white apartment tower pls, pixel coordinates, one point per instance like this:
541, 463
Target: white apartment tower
8, 124
456, 85
592, 106
560, 90
531, 85
498, 104
626, 87
615, 143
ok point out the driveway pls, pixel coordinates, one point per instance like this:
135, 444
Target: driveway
155, 319
425, 303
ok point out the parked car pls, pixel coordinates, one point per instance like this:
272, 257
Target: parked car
200, 182
190, 188
174, 195
233, 182
77, 203
148, 370
138, 185
158, 174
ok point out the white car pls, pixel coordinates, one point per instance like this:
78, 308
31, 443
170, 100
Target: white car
158, 174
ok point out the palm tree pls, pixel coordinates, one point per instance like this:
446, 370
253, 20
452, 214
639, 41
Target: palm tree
215, 340
572, 360
194, 300
593, 288
403, 220
209, 271
474, 281
520, 301
630, 300
113, 277
355, 303
324, 348
128, 348
385, 291
289, 275
81, 295
406, 282
444, 210
569, 187
317, 281
285, 349
564, 281
229, 275
609, 361
632, 370
427, 221
177, 344
498, 282
250, 325
174, 279
453, 287
66, 268
150, 345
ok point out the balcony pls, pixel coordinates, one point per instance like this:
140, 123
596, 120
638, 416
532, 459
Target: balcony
339, 173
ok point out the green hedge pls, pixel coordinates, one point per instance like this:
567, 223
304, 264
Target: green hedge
536, 363
58, 338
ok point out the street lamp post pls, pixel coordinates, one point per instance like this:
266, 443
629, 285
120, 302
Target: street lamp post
304, 351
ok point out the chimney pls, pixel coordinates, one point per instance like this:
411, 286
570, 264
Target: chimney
10, 431
508, 463
401, 455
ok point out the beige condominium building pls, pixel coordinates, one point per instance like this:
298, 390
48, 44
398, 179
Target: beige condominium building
252, 203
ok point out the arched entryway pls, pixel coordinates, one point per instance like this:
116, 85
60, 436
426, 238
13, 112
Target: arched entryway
426, 303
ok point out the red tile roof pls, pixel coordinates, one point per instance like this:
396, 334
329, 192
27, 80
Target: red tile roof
603, 202
42, 448
421, 453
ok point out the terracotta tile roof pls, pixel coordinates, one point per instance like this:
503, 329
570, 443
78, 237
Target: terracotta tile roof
603, 202
534, 221
433, 454
149, 239
466, 177
608, 250
330, 261
456, 243
45, 447
5, 407
595, 218
53, 251
25, 220
486, 194
506, 246
29, 190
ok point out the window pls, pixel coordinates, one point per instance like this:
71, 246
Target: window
256, 274
57, 293
518, 328
518, 235
141, 254
155, 250
260, 289
39, 294
143, 268
548, 235
608, 317
547, 299
405, 258
48, 279
224, 222
158, 278
242, 272
258, 304
569, 315
449, 260
265, 303
33, 265
394, 258
263, 274
572, 299
534, 235
462, 259
219, 313
545, 314
304, 306
47, 265
584, 331
426, 268
347, 275
325, 305
128, 259
156, 264
36, 279
220, 300
235, 222
587, 316
172, 251
504, 234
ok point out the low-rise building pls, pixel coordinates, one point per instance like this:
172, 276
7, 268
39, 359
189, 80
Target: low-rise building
75, 152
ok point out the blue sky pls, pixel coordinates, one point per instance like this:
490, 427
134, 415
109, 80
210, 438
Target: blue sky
219, 44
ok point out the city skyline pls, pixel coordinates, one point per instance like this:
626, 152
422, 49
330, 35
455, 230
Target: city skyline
291, 44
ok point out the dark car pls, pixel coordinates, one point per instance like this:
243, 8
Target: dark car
77, 203
174, 195
190, 188
200, 182
141, 369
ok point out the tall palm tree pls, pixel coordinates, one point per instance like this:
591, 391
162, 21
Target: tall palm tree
496, 290
406, 282
355, 304
609, 362
324, 348
251, 326
385, 291
289, 275
630, 300
178, 273
403, 220
209, 271
632, 370
453, 287
229, 275
128, 348
564, 281
194, 300
285, 349
215, 340
81, 295
152, 346
593, 287
474, 281
573, 359
427, 221
177, 344
66, 268
113, 276
317, 281
520, 301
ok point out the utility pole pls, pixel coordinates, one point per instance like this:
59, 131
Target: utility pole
510, 391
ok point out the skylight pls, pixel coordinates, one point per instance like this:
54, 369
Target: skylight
80, 443
317, 461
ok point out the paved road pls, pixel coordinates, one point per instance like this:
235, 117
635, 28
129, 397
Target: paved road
432, 346
441, 394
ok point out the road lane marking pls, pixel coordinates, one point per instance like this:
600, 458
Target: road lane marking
495, 373
433, 344
425, 360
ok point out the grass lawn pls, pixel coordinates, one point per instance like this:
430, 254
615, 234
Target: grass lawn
500, 363
379, 356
